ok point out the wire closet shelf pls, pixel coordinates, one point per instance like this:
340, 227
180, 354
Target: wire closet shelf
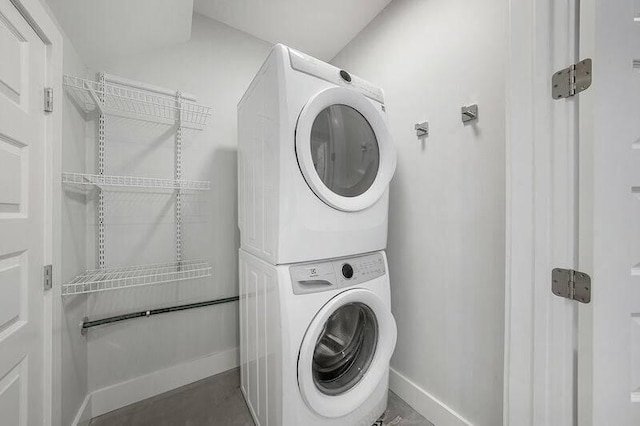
121, 97
103, 181
135, 276
125, 101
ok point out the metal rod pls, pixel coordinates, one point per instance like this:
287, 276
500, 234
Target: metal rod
104, 321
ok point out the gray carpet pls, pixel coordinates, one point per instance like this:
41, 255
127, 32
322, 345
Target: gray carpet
217, 400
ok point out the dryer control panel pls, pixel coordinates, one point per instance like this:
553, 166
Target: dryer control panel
312, 66
334, 274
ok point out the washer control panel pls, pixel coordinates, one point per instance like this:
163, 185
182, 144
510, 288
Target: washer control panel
339, 273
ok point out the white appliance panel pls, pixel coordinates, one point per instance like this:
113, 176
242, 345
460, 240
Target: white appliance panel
275, 321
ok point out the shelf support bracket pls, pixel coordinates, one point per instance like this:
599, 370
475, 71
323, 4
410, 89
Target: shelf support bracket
102, 121
178, 178
96, 98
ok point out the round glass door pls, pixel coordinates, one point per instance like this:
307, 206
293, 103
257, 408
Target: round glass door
345, 349
345, 352
344, 149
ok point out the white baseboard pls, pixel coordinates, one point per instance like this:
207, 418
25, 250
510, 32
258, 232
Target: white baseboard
424, 403
83, 417
122, 394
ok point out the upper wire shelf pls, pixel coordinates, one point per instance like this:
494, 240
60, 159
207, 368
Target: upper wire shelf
134, 182
134, 276
128, 102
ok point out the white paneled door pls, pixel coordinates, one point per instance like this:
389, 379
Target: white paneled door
22, 225
609, 240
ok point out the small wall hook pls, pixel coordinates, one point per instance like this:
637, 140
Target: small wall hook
422, 129
469, 113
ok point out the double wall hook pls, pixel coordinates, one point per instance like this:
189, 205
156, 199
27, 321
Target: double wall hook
469, 113
422, 129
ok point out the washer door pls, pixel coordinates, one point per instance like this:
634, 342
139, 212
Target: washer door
344, 149
345, 352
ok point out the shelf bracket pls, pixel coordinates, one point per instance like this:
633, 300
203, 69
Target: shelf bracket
102, 122
96, 99
178, 177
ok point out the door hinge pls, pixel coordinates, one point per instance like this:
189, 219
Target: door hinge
571, 80
48, 99
570, 284
48, 277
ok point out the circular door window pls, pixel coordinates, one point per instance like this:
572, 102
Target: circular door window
344, 149
345, 352
345, 348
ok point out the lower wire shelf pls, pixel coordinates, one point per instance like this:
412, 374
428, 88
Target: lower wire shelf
133, 182
133, 276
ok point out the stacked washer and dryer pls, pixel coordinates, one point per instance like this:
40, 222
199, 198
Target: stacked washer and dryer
315, 160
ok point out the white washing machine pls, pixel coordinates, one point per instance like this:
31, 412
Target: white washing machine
315, 159
316, 339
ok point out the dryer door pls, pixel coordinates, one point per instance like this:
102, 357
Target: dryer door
345, 352
344, 149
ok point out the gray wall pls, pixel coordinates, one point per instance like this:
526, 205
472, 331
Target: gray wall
447, 207
74, 246
216, 66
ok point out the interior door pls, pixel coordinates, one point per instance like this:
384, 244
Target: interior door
609, 327
22, 147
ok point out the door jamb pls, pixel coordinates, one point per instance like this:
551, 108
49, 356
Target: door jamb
541, 215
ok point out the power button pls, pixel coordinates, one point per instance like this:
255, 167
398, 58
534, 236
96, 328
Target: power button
347, 271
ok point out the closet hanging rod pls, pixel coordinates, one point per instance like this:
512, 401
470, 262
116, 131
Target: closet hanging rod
86, 324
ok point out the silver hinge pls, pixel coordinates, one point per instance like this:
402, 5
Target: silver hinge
570, 284
48, 277
48, 99
572, 80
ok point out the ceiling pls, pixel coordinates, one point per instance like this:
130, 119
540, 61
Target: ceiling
320, 28
101, 29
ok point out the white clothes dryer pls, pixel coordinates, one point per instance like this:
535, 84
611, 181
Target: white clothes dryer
315, 158
316, 340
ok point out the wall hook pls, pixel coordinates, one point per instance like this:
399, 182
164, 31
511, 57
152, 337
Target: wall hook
469, 113
422, 129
